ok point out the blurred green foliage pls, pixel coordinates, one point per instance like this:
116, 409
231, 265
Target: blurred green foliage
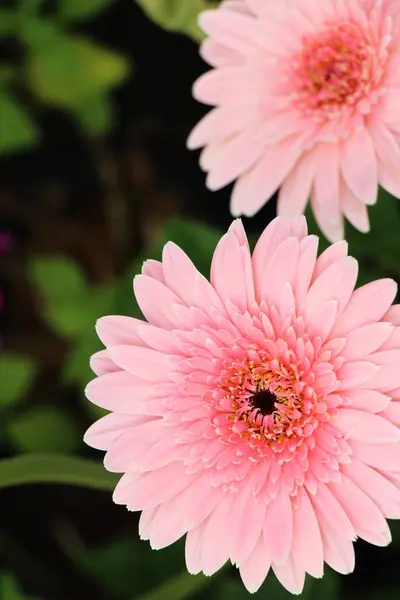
44, 429
10, 590
75, 10
17, 129
16, 375
177, 15
59, 70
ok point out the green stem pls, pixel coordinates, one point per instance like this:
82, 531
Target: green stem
53, 468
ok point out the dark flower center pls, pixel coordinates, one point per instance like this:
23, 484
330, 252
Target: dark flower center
264, 401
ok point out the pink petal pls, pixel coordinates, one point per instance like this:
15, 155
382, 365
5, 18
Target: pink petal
305, 267
393, 315
392, 413
296, 188
330, 256
255, 188
220, 123
254, 571
155, 301
278, 527
338, 551
227, 273
368, 400
101, 363
179, 272
387, 378
279, 269
125, 452
236, 155
153, 268
367, 305
193, 551
365, 427
231, 86
159, 339
154, 487
216, 527
367, 339
336, 283
290, 575
388, 151
333, 229
385, 495
107, 429
118, 391
237, 31
354, 210
363, 513
247, 518
144, 363
202, 502
115, 330
385, 457
326, 185
166, 526
274, 234
218, 55
330, 511
321, 322
307, 541
359, 165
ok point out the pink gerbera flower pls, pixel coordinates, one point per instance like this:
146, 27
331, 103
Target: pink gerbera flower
258, 414
307, 96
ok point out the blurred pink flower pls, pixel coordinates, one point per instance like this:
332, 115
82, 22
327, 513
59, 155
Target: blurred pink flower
258, 413
307, 97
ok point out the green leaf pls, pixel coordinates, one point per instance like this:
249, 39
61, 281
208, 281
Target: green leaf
8, 22
53, 468
17, 130
28, 8
177, 15
7, 74
68, 71
179, 588
43, 429
96, 115
9, 588
71, 307
75, 10
57, 278
16, 375
69, 320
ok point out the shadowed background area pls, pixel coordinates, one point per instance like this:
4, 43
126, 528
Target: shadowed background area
95, 109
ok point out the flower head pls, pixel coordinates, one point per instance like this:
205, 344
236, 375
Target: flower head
258, 414
306, 97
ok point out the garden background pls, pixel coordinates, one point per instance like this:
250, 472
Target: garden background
95, 109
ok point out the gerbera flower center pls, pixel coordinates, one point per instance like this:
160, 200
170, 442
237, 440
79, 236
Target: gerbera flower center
335, 70
264, 402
